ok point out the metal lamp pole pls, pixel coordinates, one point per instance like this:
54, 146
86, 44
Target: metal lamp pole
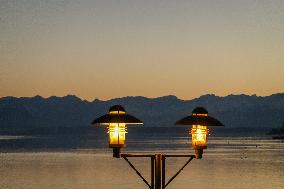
158, 168
116, 121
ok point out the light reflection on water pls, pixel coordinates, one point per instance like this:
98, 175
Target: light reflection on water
11, 137
236, 163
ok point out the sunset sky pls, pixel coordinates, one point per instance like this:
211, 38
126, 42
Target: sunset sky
108, 49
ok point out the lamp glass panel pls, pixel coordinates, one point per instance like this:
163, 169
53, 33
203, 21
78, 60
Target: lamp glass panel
117, 133
199, 135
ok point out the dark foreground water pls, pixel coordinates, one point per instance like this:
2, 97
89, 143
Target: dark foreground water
79, 159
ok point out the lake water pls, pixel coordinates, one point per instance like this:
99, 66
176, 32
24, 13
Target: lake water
80, 160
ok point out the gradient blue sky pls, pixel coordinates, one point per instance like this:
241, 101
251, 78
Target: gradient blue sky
106, 49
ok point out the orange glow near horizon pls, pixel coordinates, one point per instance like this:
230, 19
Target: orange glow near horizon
110, 49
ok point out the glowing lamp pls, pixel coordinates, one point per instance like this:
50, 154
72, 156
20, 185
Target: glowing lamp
199, 120
116, 120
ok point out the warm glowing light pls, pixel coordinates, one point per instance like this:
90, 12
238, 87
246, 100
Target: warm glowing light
199, 136
117, 133
199, 114
116, 120
117, 112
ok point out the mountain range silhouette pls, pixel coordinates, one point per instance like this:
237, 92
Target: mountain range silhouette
71, 111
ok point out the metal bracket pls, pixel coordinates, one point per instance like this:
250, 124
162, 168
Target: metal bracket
177, 173
137, 172
158, 167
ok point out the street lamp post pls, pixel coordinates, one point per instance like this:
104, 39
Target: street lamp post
117, 119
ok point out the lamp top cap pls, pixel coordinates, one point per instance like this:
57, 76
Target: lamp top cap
117, 114
117, 108
199, 110
199, 117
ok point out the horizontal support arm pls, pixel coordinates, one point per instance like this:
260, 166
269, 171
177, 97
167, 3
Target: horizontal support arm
137, 155
150, 155
179, 155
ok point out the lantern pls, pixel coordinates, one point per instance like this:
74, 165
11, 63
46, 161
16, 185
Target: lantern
199, 120
116, 121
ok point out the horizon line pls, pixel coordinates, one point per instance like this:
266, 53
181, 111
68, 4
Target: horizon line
97, 99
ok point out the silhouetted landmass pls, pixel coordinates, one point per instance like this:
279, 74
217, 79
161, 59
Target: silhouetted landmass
277, 133
70, 111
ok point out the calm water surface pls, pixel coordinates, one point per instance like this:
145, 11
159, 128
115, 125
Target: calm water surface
229, 162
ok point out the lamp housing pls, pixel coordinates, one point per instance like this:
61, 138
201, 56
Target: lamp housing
199, 120
116, 121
